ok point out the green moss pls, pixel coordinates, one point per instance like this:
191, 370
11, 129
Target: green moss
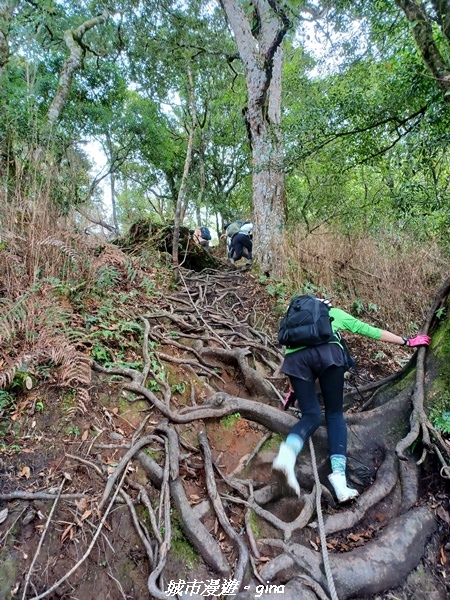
154, 454
438, 395
130, 408
273, 442
122, 404
230, 421
406, 381
8, 569
68, 400
181, 548
440, 343
254, 524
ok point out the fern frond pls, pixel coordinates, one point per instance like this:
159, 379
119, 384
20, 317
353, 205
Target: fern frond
51, 241
75, 366
15, 316
83, 399
9, 235
7, 376
76, 370
131, 271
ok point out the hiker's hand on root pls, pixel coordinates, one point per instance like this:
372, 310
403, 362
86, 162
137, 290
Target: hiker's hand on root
419, 340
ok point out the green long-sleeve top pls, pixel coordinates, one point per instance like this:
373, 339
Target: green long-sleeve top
342, 320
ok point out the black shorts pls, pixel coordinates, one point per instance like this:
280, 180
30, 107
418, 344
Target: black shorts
309, 363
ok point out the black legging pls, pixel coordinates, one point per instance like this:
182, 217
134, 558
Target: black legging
332, 386
238, 243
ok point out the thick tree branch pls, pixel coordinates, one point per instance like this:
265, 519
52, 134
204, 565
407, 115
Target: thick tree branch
73, 40
422, 29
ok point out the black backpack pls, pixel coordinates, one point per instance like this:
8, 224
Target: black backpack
206, 235
306, 323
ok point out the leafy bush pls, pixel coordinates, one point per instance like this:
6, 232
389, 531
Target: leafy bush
6, 400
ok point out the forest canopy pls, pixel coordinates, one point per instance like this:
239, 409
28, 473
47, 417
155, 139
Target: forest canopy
354, 118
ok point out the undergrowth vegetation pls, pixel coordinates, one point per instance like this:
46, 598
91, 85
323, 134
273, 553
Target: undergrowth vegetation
388, 281
66, 298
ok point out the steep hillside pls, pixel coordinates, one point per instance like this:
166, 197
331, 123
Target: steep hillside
139, 421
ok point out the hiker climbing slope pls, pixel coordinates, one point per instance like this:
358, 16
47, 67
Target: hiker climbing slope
241, 244
202, 236
314, 350
230, 229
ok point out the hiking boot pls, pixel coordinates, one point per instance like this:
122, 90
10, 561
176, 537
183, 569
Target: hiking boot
283, 465
342, 491
231, 260
249, 261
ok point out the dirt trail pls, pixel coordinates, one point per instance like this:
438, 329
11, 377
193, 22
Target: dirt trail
194, 498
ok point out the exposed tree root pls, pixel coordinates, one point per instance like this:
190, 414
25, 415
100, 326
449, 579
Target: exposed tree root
19, 495
419, 420
217, 326
286, 528
220, 512
385, 482
193, 528
377, 566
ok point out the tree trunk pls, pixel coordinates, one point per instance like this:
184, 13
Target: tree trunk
422, 25
73, 39
7, 163
201, 189
261, 52
182, 190
112, 181
6, 13
269, 192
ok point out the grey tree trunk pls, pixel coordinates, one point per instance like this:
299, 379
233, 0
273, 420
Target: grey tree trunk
260, 49
6, 14
182, 191
425, 20
73, 39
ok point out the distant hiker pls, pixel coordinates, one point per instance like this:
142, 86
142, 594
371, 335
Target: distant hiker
230, 230
241, 244
314, 350
202, 236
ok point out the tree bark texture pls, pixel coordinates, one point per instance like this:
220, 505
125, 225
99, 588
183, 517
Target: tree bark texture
422, 28
77, 51
260, 48
187, 165
6, 13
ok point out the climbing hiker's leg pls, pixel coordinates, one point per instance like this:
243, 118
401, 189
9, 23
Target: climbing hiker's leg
332, 386
238, 247
284, 463
247, 243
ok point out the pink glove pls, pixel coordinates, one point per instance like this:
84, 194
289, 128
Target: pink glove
419, 340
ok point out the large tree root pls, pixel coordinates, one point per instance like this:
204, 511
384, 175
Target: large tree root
192, 527
220, 511
219, 339
377, 566
419, 419
384, 484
